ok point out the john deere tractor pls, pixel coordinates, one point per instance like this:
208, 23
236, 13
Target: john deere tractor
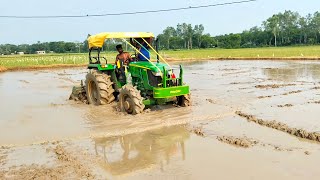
137, 85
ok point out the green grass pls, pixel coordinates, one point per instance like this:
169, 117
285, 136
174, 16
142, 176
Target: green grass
274, 52
16, 61
13, 61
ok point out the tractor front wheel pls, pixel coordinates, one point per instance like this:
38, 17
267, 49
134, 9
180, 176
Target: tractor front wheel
184, 100
130, 100
99, 88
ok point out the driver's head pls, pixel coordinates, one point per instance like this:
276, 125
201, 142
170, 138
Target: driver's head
119, 48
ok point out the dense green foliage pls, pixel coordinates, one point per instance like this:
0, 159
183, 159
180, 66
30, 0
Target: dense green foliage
282, 29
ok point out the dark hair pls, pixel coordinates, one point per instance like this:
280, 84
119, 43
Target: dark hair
119, 46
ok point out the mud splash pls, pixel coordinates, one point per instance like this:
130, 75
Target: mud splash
301, 133
79, 94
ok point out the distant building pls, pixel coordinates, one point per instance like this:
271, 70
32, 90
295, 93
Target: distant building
20, 53
40, 52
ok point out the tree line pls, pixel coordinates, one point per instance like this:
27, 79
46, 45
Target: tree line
283, 29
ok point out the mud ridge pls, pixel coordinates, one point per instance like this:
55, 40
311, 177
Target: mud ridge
262, 97
79, 168
67, 166
210, 101
273, 86
3, 69
315, 88
292, 92
243, 142
38, 67
285, 105
314, 102
284, 94
198, 131
301, 133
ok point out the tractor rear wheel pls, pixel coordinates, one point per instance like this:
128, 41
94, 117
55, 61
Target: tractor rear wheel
99, 88
130, 100
184, 100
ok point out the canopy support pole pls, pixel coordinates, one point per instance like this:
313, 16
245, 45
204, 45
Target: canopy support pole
142, 55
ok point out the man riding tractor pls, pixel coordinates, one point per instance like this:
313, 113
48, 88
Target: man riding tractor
142, 82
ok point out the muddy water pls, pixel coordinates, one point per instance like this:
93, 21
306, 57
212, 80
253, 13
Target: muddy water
205, 141
34, 108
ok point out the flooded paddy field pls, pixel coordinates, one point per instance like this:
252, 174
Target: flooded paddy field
249, 120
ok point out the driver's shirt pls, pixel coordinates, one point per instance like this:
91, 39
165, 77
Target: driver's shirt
145, 53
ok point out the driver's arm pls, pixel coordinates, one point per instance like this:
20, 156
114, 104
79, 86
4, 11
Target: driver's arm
129, 57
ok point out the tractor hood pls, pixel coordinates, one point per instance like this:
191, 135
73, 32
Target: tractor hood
154, 67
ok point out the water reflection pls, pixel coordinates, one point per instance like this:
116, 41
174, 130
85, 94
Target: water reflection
129, 153
294, 72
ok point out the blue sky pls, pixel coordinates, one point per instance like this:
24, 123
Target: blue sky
217, 20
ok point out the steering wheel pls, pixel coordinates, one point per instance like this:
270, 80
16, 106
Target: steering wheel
134, 57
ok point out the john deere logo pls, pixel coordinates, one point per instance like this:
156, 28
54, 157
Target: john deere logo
174, 92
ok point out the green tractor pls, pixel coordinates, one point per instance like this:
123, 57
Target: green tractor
137, 85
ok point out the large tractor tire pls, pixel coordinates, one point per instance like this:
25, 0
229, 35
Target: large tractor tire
99, 88
184, 101
130, 100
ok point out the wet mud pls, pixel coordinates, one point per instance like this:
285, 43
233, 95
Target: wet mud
44, 135
65, 166
3, 69
301, 133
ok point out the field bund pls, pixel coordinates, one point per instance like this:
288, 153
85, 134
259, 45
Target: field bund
19, 62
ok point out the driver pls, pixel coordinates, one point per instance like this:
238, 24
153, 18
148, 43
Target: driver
122, 56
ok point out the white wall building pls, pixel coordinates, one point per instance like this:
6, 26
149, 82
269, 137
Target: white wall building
40, 52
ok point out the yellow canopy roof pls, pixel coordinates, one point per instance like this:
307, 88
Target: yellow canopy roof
98, 39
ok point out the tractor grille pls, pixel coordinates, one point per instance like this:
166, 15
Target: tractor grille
154, 80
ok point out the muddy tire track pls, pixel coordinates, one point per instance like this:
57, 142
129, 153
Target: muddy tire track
301, 133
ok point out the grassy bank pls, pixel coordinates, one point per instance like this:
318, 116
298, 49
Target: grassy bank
250, 53
13, 62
